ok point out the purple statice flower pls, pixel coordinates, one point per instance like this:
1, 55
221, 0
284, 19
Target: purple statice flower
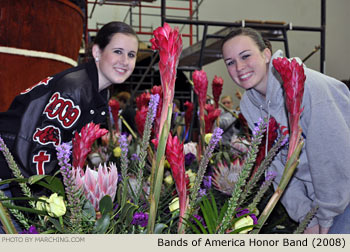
189, 158
260, 124
31, 230
199, 218
270, 175
202, 192
135, 157
215, 139
245, 211
1, 144
207, 182
123, 144
140, 219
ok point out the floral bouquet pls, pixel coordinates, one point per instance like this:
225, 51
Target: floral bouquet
156, 183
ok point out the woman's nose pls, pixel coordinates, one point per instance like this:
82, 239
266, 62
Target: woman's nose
239, 65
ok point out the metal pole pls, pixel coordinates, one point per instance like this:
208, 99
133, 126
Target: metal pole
323, 37
162, 12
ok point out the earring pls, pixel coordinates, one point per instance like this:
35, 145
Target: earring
97, 59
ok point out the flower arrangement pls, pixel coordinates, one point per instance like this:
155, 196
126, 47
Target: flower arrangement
157, 183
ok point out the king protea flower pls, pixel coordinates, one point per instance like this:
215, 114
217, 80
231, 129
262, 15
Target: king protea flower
115, 106
216, 87
82, 142
168, 42
176, 158
210, 117
226, 176
97, 184
292, 74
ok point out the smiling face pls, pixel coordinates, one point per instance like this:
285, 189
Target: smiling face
116, 61
246, 64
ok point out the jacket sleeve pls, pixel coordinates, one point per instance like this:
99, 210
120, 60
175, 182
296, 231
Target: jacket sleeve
47, 121
327, 148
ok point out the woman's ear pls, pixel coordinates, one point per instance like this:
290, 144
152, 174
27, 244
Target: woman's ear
96, 52
267, 53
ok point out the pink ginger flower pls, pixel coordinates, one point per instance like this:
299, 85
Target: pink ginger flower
210, 117
82, 142
176, 158
168, 42
292, 74
97, 184
216, 87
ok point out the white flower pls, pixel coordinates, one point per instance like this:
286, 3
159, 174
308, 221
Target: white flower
190, 147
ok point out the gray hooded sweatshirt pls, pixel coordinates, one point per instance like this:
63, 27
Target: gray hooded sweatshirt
322, 177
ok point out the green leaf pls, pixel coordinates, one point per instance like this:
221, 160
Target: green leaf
89, 211
159, 227
52, 183
102, 224
8, 181
57, 225
226, 157
127, 212
26, 209
106, 204
33, 179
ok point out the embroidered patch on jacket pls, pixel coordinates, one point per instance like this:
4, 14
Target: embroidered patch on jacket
42, 82
49, 134
40, 159
63, 110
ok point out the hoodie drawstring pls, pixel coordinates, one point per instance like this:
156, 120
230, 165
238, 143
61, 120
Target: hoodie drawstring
267, 129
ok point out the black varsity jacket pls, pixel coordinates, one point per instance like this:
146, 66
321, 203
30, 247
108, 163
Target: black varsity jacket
48, 114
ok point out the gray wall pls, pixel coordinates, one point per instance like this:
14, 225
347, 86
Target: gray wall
297, 12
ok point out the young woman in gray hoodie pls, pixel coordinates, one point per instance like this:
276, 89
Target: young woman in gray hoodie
322, 177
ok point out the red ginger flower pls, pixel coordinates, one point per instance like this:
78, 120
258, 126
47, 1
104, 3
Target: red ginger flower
188, 113
169, 44
115, 106
216, 87
176, 158
200, 82
143, 100
293, 78
273, 127
140, 119
210, 117
82, 142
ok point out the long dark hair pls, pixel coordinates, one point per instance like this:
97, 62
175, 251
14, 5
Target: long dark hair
253, 34
106, 33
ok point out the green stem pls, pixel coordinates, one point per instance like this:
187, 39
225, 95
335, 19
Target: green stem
289, 169
158, 172
6, 221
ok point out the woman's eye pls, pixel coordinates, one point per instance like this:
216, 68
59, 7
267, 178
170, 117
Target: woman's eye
230, 63
118, 51
132, 55
245, 56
